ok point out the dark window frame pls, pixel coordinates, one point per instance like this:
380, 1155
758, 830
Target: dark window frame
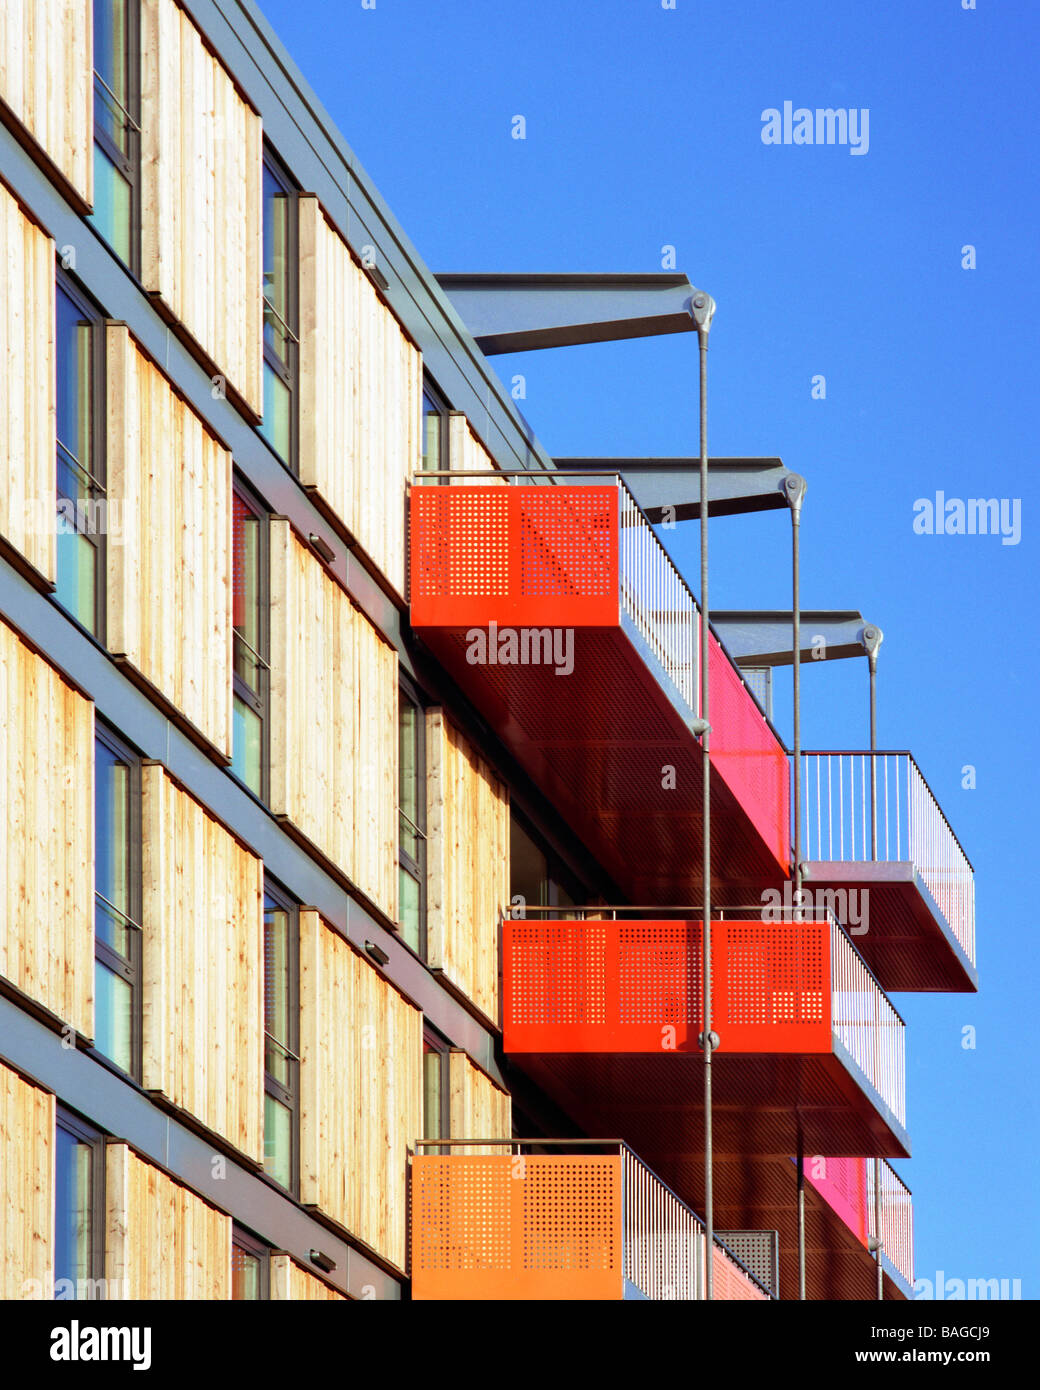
97, 477
434, 1043
414, 868
259, 703
253, 1245
128, 164
289, 1096
95, 1140
558, 874
441, 408
128, 968
287, 372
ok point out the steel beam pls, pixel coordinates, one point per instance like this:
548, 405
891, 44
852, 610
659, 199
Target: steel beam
519, 313
764, 638
735, 485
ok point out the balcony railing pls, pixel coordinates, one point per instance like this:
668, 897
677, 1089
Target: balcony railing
585, 1219
866, 1024
839, 820
847, 1186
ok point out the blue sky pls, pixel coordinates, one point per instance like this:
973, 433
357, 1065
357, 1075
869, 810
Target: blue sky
643, 130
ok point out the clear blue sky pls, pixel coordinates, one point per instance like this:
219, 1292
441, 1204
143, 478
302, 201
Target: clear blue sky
644, 129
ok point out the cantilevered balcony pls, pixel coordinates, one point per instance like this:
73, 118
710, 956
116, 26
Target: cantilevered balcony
605, 1014
571, 1220
895, 875
559, 614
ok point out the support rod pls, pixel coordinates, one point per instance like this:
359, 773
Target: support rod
877, 1230
801, 1217
871, 639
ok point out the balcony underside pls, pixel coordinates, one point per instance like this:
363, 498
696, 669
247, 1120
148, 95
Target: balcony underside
610, 747
761, 1104
908, 943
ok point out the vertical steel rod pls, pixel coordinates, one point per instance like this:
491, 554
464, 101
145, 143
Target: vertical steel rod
877, 1230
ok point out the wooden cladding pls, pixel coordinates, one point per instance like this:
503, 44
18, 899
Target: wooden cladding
161, 1240
468, 454
202, 917
360, 390
169, 557
26, 1188
290, 1281
467, 861
201, 231
47, 82
47, 811
28, 498
360, 1090
477, 1108
333, 720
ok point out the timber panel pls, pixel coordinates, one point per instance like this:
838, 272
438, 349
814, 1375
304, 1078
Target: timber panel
478, 1109
467, 861
201, 228
360, 1090
47, 82
26, 1187
28, 497
47, 812
291, 1281
169, 561
333, 720
162, 1241
360, 392
203, 979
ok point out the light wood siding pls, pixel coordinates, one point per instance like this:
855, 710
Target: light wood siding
169, 553
468, 454
360, 1090
333, 720
161, 1239
47, 814
202, 918
467, 861
28, 497
290, 1281
478, 1109
360, 393
26, 1188
47, 82
201, 232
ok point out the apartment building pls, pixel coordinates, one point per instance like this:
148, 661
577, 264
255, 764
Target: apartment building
351, 761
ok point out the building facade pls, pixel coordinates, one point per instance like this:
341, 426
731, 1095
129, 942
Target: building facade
351, 764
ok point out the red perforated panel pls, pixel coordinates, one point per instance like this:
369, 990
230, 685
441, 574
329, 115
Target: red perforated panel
842, 1183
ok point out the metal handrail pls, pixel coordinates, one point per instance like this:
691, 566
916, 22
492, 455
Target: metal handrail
875, 1042
897, 1223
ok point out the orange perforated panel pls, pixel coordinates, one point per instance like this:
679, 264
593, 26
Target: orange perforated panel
509, 1227
635, 987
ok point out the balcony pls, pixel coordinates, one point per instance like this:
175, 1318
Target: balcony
587, 1222
605, 1014
902, 865
561, 617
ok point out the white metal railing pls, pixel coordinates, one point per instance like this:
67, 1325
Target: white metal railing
838, 816
866, 1024
897, 1218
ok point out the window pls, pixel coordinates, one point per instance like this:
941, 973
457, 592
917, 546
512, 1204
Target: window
249, 619
117, 130
80, 458
280, 296
79, 1208
281, 1039
436, 1089
117, 902
537, 877
434, 431
411, 851
250, 1266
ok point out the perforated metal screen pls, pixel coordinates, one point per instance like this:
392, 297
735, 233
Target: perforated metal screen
759, 1251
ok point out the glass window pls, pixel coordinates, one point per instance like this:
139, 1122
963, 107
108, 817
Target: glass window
434, 432
117, 933
78, 1193
250, 1266
536, 876
81, 505
279, 291
249, 614
435, 1091
116, 126
412, 822
281, 1060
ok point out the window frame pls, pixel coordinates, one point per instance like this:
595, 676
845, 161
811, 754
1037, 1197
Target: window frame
433, 1043
442, 409
287, 372
129, 165
98, 476
288, 1096
252, 1245
558, 875
260, 703
128, 968
414, 868
95, 1141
